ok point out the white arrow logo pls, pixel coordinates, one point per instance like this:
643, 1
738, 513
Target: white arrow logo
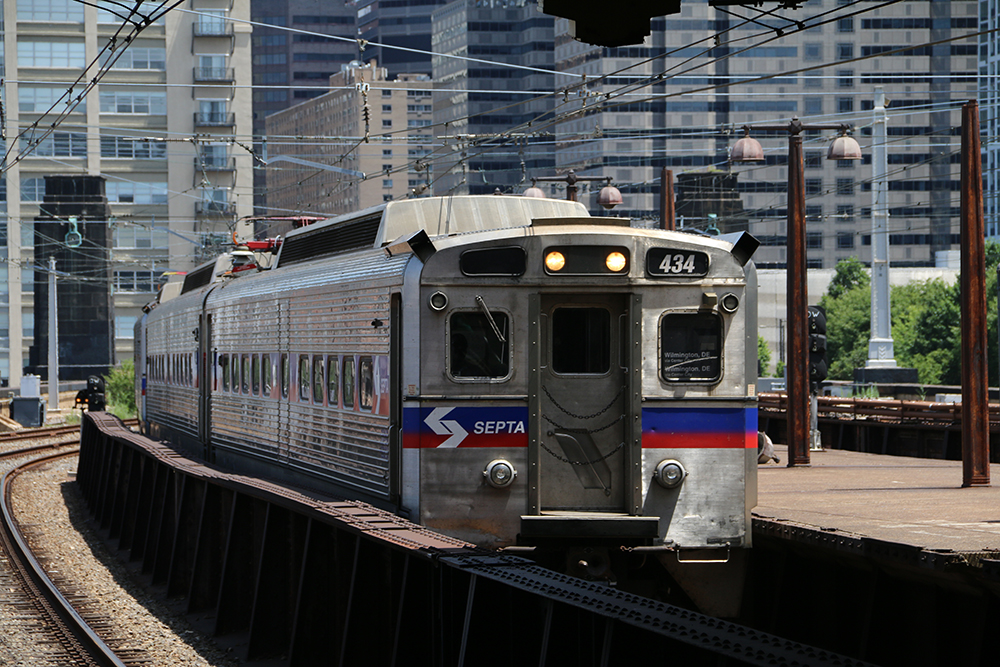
449, 427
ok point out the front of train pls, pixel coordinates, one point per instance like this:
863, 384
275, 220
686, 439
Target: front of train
580, 382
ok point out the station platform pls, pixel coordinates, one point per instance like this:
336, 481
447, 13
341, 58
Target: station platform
893, 499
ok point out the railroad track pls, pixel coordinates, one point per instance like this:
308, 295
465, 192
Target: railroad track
65, 637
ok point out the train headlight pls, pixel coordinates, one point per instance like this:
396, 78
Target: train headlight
615, 261
555, 261
438, 301
669, 473
499, 474
729, 303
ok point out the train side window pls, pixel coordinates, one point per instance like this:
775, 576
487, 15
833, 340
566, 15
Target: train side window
304, 377
319, 388
691, 347
224, 362
256, 375
268, 372
476, 351
245, 374
347, 377
366, 383
333, 379
581, 340
284, 375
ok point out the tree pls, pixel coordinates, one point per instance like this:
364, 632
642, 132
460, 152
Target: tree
849, 274
119, 386
763, 355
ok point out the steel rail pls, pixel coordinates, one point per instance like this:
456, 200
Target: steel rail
75, 635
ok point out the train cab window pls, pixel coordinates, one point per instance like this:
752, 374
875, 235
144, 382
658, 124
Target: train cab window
475, 348
348, 379
581, 340
267, 372
255, 386
691, 347
246, 374
284, 375
333, 379
319, 388
366, 383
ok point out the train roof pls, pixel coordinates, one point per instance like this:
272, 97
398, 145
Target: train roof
435, 216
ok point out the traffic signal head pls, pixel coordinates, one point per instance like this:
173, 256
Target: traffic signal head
817, 344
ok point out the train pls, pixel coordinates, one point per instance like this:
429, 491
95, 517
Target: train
507, 370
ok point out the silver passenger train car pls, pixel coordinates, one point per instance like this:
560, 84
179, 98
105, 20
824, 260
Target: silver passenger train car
506, 370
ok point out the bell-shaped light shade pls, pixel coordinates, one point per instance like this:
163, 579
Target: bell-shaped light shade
844, 148
609, 197
747, 149
534, 191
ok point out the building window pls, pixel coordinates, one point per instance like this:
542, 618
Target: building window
63, 11
814, 106
153, 58
51, 54
386, 182
845, 186
386, 152
845, 78
386, 108
386, 123
58, 144
125, 326
814, 239
845, 240
136, 282
131, 148
812, 51
845, 25
135, 236
115, 12
845, 213
134, 103
814, 186
813, 159
845, 105
32, 189
39, 100
125, 192
845, 51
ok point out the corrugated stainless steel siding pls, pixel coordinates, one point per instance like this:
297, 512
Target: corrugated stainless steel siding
323, 307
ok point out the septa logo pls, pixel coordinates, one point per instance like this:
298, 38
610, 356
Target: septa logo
440, 426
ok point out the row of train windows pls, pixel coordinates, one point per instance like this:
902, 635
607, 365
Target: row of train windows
177, 369
330, 380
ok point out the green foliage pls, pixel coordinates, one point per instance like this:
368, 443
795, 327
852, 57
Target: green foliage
119, 387
779, 369
848, 274
763, 355
926, 323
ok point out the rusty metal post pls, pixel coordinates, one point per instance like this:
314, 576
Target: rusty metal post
667, 215
797, 364
975, 407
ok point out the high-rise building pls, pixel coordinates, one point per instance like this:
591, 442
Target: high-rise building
167, 125
679, 100
405, 24
352, 147
989, 112
493, 81
297, 46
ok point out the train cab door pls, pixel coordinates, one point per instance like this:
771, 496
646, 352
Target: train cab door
584, 403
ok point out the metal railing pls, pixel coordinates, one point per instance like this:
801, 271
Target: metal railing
214, 118
214, 74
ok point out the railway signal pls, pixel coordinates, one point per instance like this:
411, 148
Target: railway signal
817, 347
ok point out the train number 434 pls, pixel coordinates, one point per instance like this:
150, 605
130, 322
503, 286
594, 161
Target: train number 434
679, 263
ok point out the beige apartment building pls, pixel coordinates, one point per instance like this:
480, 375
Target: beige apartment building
356, 146
166, 127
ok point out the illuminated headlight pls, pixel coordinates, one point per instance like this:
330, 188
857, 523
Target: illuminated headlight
555, 261
669, 474
438, 301
499, 474
615, 261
